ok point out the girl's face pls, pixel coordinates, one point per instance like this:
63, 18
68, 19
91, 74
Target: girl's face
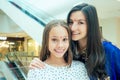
78, 26
58, 42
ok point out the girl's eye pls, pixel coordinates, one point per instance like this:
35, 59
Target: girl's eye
65, 39
54, 40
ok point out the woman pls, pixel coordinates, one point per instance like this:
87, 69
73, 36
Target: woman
57, 56
101, 57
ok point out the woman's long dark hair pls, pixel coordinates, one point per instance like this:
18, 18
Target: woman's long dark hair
95, 63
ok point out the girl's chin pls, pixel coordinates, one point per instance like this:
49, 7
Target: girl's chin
59, 56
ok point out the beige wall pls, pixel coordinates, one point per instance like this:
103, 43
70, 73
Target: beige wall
118, 31
111, 30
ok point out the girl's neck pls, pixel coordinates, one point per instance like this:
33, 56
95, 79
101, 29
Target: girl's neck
56, 62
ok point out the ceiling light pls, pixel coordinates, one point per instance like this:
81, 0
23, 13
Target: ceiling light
3, 38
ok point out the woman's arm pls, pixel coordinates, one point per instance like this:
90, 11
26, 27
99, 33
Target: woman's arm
112, 60
117, 62
36, 63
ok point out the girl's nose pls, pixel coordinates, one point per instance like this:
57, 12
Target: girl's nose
60, 44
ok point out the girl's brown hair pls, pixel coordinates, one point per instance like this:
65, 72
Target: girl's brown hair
45, 53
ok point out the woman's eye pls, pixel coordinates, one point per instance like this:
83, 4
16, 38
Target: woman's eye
70, 23
80, 22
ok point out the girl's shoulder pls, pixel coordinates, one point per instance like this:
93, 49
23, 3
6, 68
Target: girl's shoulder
77, 64
74, 62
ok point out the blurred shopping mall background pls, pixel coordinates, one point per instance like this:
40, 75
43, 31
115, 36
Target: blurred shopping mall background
22, 23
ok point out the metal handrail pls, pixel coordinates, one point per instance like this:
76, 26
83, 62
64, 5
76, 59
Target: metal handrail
37, 14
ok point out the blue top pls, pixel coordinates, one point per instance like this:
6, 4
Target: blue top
112, 60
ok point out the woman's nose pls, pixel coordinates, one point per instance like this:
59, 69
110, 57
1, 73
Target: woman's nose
74, 27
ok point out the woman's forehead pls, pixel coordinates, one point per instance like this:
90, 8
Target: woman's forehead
77, 15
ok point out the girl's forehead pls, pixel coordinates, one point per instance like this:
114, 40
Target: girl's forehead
60, 37
58, 32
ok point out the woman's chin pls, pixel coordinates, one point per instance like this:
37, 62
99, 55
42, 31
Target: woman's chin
75, 39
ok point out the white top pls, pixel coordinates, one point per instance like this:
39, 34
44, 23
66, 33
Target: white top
77, 71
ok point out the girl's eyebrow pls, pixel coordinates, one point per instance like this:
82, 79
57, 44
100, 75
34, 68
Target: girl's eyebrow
60, 36
63, 36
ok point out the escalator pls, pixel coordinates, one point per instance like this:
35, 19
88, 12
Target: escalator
2, 76
31, 21
7, 73
12, 70
16, 70
37, 14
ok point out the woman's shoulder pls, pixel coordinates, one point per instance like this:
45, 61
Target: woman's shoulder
112, 58
109, 47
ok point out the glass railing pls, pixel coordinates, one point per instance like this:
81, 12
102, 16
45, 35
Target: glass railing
16, 63
12, 71
2, 77
17, 68
39, 15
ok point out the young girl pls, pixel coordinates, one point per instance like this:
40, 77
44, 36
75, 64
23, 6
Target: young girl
57, 56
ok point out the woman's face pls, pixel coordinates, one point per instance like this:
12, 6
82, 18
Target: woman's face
78, 26
58, 42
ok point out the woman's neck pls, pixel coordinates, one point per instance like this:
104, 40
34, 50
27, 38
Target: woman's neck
56, 61
82, 44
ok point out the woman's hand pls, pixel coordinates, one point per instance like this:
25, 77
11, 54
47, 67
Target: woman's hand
36, 63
